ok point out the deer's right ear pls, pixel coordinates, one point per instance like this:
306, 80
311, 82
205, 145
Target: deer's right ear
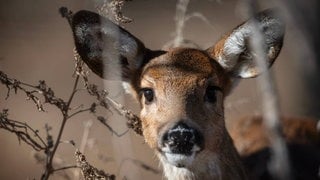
233, 52
110, 51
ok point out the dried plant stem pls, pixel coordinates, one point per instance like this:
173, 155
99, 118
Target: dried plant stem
84, 140
49, 168
89, 172
22, 132
22, 129
42, 91
133, 121
112, 9
279, 163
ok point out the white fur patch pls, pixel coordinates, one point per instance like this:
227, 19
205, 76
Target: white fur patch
179, 160
234, 46
172, 172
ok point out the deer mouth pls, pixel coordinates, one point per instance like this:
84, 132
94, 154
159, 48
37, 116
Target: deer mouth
180, 144
182, 159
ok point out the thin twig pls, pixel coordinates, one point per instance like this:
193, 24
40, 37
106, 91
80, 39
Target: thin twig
104, 122
78, 112
61, 129
65, 168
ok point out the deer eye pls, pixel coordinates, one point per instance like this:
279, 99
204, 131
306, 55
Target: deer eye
148, 94
210, 95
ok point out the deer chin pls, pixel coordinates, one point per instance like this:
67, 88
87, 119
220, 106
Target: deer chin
179, 160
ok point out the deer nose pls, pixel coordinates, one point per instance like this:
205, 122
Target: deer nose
182, 139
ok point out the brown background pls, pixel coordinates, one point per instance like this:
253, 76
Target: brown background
36, 44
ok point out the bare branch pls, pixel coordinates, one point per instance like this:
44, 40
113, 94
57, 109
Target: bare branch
103, 120
78, 112
65, 168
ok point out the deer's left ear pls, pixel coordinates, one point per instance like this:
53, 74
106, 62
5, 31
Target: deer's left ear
110, 51
233, 51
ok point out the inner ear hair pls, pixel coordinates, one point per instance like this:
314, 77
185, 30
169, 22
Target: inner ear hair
233, 51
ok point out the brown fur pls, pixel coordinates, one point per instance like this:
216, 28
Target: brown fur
250, 136
217, 50
179, 79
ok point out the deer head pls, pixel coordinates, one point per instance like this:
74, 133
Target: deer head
181, 91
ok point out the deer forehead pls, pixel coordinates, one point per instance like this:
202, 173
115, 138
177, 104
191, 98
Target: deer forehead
182, 68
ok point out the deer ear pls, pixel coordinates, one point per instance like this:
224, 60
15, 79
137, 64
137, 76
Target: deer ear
110, 51
233, 51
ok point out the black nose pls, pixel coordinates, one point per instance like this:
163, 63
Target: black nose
181, 139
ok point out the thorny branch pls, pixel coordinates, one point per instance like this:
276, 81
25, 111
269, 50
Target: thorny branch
22, 131
133, 121
35, 141
113, 10
41, 89
88, 171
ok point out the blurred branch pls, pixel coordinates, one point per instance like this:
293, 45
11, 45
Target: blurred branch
279, 162
180, 18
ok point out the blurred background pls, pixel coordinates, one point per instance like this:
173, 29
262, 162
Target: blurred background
37, 44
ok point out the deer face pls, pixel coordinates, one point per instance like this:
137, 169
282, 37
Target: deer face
181, 91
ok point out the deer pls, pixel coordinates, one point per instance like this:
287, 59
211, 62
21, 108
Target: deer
181, 91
